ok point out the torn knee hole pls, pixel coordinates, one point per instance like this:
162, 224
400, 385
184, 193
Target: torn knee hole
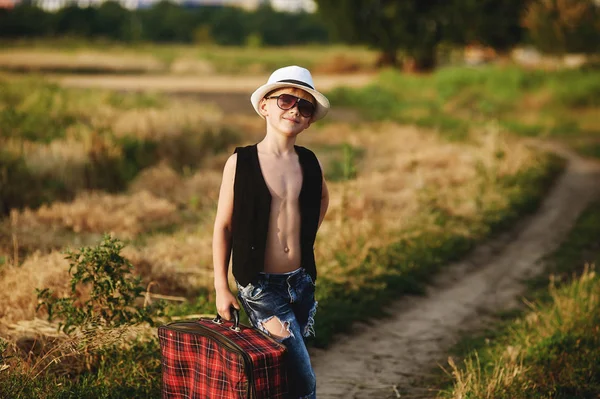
277, 328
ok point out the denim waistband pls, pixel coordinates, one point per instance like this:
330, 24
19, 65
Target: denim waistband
281, 277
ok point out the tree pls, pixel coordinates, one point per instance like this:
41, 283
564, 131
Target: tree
281, 28
166, 21
416, 27
116, 22
560, 26
74, 21
494, 23
24, 20
229, 26
411, 26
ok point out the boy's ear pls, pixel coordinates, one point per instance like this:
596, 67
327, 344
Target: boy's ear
262, 107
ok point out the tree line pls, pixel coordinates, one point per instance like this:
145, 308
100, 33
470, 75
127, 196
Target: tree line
165, 22
413, 29
404, 30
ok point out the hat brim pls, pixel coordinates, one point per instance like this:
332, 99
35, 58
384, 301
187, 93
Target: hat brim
322, 106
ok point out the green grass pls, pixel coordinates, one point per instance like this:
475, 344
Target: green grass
556, 340
458, 101
405, 266
589, 149
34, 110
342, 161
36, 113
116, 373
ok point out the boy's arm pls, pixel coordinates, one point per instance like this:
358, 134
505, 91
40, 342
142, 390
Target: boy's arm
222, 236
324, 199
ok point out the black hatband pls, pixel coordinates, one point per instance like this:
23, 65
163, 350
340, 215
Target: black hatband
298, 82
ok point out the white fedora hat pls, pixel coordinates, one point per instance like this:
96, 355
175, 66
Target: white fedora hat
292, 76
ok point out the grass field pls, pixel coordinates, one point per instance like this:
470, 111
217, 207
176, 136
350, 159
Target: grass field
406, 199
551, 349
561, 105
76, 56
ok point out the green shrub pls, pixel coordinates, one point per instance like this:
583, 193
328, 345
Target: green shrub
20, 188
33, 111
113, 291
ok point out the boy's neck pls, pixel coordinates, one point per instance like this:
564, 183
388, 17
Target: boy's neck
277, 145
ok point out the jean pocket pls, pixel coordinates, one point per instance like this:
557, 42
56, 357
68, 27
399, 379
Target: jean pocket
252, 291
308, 278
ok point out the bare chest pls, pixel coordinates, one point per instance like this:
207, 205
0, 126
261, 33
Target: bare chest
282, 176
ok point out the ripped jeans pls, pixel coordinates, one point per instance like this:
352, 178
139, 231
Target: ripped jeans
289, 297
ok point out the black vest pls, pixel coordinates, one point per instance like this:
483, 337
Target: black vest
252, 208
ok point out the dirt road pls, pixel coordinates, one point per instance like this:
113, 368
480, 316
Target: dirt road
198, 83
386, 359
229, 93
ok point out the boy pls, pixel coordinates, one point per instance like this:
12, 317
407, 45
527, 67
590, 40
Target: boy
272, 200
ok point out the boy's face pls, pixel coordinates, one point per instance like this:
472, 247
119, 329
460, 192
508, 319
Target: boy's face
291, 121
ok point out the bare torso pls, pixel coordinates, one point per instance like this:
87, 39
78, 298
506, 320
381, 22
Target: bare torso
283, 176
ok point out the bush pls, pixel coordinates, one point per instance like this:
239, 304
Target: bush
20, 188
113, 291
33, 111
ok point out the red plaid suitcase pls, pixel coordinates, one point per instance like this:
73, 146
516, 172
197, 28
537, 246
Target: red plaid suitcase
219, 359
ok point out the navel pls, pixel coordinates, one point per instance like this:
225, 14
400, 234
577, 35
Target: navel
286, 249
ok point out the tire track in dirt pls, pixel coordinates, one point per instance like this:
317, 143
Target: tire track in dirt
387, 358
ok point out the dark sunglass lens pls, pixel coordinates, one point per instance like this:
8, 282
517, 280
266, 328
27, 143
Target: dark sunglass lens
286, 101
306, 108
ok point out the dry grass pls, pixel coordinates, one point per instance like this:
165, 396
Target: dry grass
18, 284
178, 116
407, 174
533, 337
403, 173
508, 369
200, 191
122, 215
179, 264
36, 347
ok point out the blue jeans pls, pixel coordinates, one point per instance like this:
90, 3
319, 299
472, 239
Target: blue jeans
290, 297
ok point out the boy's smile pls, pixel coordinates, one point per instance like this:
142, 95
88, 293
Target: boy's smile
289, 122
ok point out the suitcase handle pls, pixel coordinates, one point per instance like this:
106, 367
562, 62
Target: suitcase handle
236, 319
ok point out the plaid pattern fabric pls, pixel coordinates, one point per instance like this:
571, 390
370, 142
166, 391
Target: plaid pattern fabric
196, 365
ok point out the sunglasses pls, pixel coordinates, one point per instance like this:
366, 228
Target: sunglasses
287, 101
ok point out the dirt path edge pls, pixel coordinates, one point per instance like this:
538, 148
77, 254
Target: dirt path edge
389, 356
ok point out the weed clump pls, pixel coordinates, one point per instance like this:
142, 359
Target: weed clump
103, 291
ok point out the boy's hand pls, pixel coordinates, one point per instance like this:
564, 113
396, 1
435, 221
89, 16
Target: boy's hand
225, 300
